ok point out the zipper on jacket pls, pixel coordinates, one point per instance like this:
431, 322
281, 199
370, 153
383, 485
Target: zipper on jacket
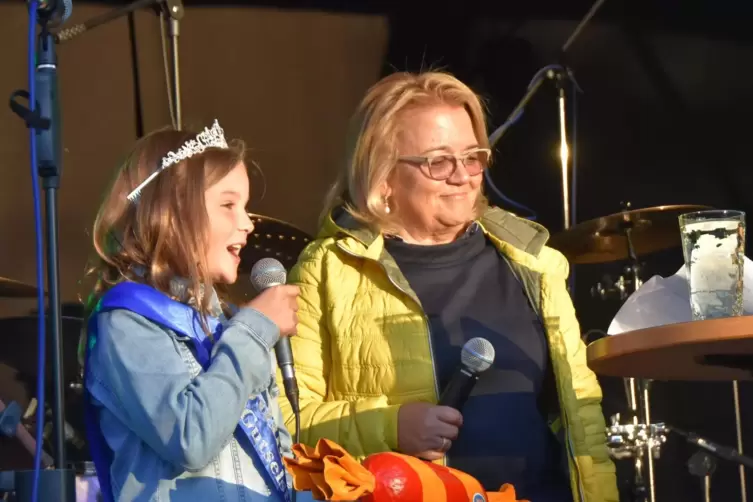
423, 314
575, 465
569, 447
428, 331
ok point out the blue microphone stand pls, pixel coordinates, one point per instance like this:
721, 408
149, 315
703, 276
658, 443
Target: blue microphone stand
58, 484
42, 116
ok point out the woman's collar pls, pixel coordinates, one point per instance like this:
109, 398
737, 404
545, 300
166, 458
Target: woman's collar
470, 230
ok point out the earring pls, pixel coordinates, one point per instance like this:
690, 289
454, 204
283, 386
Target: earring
386, 202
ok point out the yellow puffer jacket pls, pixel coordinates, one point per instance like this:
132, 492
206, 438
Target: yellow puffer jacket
362, 347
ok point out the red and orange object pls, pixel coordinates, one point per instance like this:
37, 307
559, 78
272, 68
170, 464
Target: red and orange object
331, 473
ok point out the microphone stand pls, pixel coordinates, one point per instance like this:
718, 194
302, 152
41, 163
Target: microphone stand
560, 74
76, 30
723, 452
703, 466
175, 12
58, 484
560, 78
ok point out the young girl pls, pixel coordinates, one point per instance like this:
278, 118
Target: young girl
181, 399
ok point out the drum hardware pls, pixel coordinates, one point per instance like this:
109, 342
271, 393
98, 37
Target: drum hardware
11, 426
637, 391
640, 440
31, 409
10, 288
275, 238
723, 452
604, 240
21, 354
703, 465
630, 280
631, 440
71, 436
693, 348
625, 236
632, 226
609, 288
10, 418
739, 434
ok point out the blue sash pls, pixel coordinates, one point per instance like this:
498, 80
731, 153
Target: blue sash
255, 425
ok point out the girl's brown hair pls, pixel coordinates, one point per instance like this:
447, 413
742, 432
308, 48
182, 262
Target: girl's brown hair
162, 235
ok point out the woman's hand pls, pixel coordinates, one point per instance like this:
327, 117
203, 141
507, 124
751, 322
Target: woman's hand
426, 430
279, 304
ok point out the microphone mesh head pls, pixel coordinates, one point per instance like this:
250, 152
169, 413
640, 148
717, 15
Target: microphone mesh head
477, 355
57, 11
266, 273
67, 10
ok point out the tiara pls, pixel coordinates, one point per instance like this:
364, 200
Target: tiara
208, 138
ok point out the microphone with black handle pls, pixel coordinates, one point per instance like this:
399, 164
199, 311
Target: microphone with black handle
267, 273
476, 357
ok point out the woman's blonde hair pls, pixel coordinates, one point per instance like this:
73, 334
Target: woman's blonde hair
371, 150
163, 235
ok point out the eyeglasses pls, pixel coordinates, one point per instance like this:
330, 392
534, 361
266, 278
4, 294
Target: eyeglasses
441, 166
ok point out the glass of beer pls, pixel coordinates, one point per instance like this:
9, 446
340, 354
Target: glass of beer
713, 245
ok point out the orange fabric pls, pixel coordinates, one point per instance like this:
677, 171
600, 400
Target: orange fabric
328, 472
331, 473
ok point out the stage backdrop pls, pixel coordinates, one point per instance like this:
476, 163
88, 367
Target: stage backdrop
284, 81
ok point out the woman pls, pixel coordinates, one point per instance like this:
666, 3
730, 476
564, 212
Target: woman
411, 263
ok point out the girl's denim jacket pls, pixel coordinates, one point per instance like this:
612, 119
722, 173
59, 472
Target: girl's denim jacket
170, 425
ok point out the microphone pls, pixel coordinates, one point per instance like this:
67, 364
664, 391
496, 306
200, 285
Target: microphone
476, 357
54, 12
49, 148
267, 273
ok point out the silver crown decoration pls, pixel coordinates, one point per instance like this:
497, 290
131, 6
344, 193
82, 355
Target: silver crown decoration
208, 138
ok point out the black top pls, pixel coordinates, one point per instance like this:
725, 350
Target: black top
468, 290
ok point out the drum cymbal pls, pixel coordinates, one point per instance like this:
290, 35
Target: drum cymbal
273, 238
18, 337
10, 288
603, 240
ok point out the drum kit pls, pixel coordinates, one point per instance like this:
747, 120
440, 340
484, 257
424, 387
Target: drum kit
720, 349
712, 350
